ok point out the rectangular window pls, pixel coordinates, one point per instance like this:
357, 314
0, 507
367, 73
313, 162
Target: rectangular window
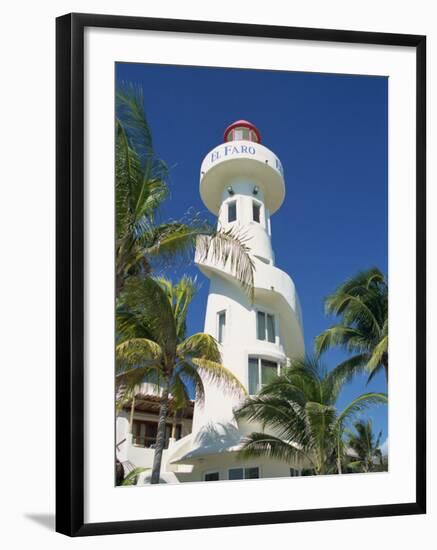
261, 372
232, 211
269, 371
261, 328
144, 433
244, 473
221, 326
294, 472
256, 211
236, 473
251, 473
238, 134
266, 327
253, 375
212, 476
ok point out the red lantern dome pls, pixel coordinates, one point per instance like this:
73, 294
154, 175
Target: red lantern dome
242, 129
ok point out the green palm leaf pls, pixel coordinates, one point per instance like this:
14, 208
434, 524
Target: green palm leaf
361, 303
298, 415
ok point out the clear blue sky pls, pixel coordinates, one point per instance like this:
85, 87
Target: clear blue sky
330, 132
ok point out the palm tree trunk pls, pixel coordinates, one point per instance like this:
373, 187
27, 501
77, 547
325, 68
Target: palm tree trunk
160, 436
338, 456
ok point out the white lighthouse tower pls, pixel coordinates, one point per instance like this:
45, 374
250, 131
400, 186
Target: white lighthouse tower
242, 183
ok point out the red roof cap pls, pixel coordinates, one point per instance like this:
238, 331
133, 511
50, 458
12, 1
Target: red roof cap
244, 124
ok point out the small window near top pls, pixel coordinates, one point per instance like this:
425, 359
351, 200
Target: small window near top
238, 134
212, 476
221, 326
256, 211
232, 211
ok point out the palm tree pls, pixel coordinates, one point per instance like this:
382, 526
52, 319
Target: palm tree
141, 188
365, 447
152, 344
299, 417
362, 305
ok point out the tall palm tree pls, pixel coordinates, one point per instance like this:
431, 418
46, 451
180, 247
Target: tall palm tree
151, 323
299, 417
362, 305
141, 188
365, 447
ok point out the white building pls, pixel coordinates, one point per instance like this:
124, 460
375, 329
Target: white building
242, 183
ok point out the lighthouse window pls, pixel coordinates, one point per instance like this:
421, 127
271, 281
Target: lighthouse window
253, 375
269, 371
232, 211
266, 327
261, 372
221, 326
256, 210
271, 336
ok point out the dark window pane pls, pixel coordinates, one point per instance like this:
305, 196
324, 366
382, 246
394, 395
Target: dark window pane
236, 473
213, 476
251, 473
294, 472
253, 375
269, 371
261, 322
270, 328
221, 326
256, 208
232, 211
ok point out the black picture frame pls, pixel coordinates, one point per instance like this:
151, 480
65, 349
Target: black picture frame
70, 273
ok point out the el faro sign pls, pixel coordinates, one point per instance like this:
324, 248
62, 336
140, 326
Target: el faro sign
245, 149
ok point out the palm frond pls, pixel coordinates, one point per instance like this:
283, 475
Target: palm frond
138, 352
200, 345
219, 375
340, 335
179, 296
345, 371
179, 393
150, 308
359, 404
188, 373
229, 248
376, 359
261, 444
132, 476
